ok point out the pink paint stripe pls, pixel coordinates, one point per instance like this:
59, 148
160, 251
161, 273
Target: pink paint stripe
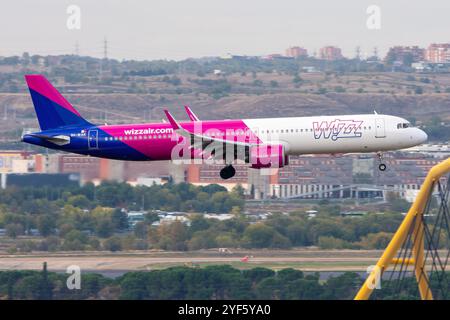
161, 149
42, 86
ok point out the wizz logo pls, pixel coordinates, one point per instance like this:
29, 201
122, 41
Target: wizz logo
337, 129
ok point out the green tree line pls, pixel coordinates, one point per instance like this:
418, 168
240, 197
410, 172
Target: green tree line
211, 282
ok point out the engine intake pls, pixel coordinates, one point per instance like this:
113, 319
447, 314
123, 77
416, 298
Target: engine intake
267, 156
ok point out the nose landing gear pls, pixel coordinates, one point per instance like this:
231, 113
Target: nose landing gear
227, 172
381, 166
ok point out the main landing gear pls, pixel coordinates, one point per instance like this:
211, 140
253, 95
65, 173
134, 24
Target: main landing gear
381, 166
227, 172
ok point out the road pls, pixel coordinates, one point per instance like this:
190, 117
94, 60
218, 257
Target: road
307, 260
106, 262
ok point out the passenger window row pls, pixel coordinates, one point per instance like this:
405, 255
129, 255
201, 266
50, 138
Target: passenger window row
138, 137
306, 130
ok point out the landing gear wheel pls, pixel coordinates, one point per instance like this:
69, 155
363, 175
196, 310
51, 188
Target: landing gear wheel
381, 166
227, 172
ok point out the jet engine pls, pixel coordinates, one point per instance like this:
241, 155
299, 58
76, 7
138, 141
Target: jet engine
267, 156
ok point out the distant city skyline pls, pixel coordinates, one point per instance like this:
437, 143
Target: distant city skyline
175, 29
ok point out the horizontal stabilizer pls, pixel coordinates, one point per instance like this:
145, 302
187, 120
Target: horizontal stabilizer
60, 140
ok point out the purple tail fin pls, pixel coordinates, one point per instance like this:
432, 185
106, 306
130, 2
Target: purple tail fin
52, 109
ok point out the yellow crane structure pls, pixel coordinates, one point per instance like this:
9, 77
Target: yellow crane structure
413, 231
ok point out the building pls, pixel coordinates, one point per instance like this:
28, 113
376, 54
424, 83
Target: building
296, 52
134, 217
168, 219
435, 150
276, 56
205, 174
16, 162
331, 53
221, 217
421, 66
326, 176
39, 180
438, 53
314, 176
95, 170
405, 55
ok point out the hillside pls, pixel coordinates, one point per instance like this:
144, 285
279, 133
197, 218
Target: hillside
145, 107
244, 95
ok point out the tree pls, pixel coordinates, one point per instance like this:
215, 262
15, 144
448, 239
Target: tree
75, 240
119, 219
141, 230
378, 240
259, 235
202, 240
134, 285
45, 290
113, 244
199, 223
303, 289
13, 230
104, 228
173, 236
280, 241
408, 59
46, 225
226, 241
289, 274
268, 289
342, 287
297, 234
80, 201
397, 204
418, 90
257, 274
325, 242
238, 191
297, 79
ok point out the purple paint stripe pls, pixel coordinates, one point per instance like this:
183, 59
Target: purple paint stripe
42, 86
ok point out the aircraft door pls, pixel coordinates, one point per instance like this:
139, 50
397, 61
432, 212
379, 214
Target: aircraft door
380, 131
93, 139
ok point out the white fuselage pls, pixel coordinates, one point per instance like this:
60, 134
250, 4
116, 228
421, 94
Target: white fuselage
338, 134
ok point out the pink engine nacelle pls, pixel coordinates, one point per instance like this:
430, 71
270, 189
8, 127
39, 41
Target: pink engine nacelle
268, 156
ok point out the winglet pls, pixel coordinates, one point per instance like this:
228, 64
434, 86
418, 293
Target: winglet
191, 115
172, 120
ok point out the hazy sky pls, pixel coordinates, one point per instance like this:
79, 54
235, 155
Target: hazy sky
177, 29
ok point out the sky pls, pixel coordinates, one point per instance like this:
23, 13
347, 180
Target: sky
179, 29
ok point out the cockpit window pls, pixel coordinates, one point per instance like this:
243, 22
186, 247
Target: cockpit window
403, 125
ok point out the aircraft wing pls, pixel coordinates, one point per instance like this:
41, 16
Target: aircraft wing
200, 141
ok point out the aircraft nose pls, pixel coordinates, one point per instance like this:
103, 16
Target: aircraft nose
421, 136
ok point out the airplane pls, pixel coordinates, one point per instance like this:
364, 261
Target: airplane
260, 143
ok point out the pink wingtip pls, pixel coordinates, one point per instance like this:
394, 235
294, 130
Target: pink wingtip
172, 120
191, 115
